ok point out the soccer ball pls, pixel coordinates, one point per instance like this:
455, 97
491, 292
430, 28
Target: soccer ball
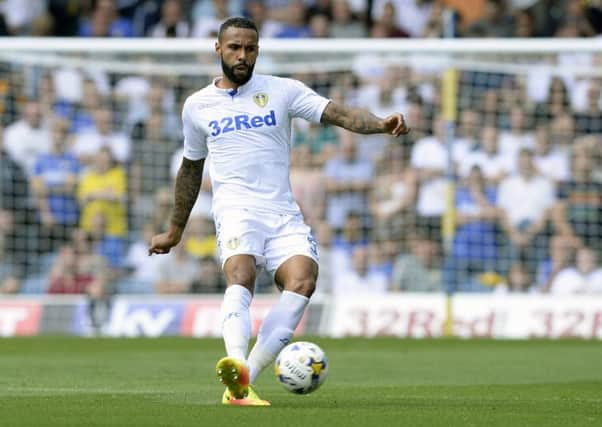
301, 367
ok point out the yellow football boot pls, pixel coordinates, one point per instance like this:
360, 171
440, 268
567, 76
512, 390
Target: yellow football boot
234, 374
251, 399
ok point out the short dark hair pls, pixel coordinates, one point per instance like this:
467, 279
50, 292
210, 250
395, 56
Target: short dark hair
237, 22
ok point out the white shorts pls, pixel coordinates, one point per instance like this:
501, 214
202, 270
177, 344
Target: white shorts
270, 238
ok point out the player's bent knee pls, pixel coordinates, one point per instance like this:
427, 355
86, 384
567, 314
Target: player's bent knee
240, 271
305, 287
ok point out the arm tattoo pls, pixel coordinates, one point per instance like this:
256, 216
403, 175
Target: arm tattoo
188, 184
354, 119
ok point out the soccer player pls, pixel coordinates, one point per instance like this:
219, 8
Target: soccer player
243, 121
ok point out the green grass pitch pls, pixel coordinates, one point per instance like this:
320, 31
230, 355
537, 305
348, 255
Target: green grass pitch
51, 381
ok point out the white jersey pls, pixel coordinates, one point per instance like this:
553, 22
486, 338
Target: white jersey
247, 134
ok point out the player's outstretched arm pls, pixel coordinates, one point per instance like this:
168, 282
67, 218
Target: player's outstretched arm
188, 184
362, 121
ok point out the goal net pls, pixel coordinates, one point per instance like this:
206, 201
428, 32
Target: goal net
498, 187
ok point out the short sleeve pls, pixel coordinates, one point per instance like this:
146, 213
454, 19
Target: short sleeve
195, 143
304, 102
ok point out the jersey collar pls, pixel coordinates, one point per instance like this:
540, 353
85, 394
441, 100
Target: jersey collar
233, 92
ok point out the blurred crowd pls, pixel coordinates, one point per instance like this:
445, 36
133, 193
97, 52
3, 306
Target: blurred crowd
87, 173
304, 18
88, 162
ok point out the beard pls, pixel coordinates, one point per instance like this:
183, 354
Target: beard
239, 79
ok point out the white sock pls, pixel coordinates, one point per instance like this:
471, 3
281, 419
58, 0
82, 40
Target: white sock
236, 321
276, 331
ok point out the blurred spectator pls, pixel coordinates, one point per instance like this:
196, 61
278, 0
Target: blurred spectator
344, 24
171, 24
359, 279
132, 95
393, 193
91, 99
294, 22
556, 103
319, 26
75, 104
352, 235
110, 246
517, 137
307, 184
141, 267
524, 25
102, 192
593, 12
54, 184
348, 179
65, 16
318, 7
176, 272
585, 277
387, 24
76, 92
562, 132
578, 213
560, 256
105, 22
420, 123
474, 247
575, 22
467, 135
257, 11
316, 137
550, 162
525, 200
493, 165
208, 25
159, 99
588, 120
381, 97
489, 103
199, 239
411, 16
42, 26
429, 159
150, 167
416, 270
380, 258
90, 142
21, 15
546, 16
25, 139
518, 280
443, 21
495, 22
78, 270
591, 143
211, 280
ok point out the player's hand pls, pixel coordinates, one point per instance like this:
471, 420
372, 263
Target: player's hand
162, 243
395, 125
